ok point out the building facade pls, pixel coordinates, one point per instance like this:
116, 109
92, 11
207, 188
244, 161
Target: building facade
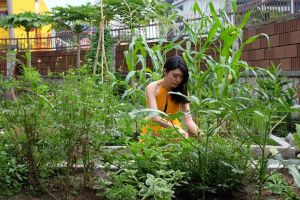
19, 6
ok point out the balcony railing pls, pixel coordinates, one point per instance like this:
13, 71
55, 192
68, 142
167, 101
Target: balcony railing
62, 41
265, 11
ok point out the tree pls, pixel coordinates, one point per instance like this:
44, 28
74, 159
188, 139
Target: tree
76, 18
27, 21
134, 13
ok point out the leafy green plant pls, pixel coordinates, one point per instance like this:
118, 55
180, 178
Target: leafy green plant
161, 187
210, 168
293, 170
74, 112
123, 185
278, 185
13, 175
275, 88
23, 118
85, 115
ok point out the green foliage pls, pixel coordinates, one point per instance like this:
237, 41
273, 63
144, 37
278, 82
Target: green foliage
108, 44
25, 20
293, 170
295, 173
212, 168
278, 185
161, 187
76, 18
164, 168
297, 136
123, 186
126, 192
223, 100
260, 15
26, 118
67, 122
134, 12
13, 174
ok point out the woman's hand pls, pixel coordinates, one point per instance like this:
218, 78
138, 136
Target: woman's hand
183, 133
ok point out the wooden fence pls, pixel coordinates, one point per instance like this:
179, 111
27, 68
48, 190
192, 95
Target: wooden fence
2, 63
45, 61
49, 53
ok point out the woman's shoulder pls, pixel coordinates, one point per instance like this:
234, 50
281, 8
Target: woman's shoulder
153, 86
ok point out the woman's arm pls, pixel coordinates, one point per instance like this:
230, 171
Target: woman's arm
188, 120
151, 92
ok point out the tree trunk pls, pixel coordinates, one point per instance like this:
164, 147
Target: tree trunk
78, 50
11, 54
28, 51
32, 174
33, 181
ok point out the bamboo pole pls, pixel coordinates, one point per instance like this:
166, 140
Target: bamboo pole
102, 47
97, 53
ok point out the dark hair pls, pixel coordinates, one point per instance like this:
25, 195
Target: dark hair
176, 62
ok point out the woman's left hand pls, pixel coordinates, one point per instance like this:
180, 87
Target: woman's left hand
184, 133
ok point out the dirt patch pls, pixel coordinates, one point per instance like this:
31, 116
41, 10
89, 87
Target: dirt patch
85, 195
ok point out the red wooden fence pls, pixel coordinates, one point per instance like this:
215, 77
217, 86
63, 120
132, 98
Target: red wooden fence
46, 61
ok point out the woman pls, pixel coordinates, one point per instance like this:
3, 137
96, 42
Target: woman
175, 79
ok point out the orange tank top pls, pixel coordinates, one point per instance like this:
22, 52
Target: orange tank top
167, 105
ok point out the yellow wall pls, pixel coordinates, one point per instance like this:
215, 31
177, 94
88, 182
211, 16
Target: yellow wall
20, 6
3, 33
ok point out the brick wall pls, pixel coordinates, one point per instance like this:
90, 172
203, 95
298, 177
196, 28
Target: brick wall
284, 39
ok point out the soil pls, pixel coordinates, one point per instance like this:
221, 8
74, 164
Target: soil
247, 193
85, 195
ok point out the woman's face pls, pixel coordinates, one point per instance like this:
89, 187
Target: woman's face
173, 77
